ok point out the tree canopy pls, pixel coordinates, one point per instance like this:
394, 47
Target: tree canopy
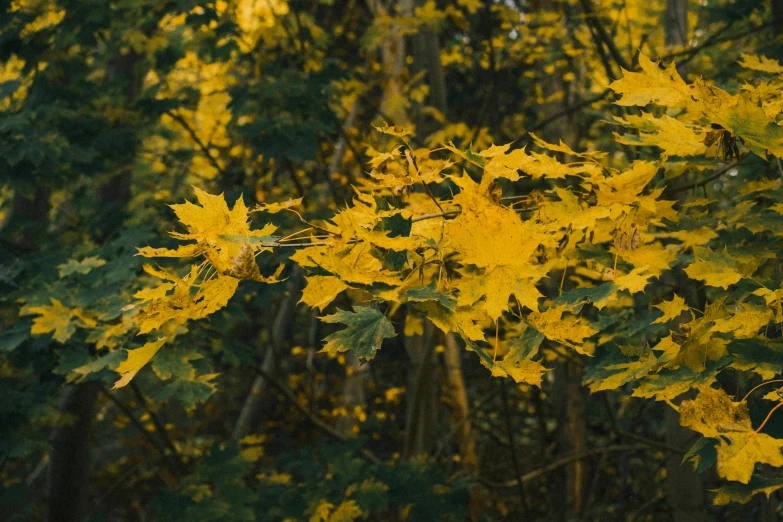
345, 260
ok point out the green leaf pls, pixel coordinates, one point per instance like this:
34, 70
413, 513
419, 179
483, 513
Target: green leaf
367, 328
742, 493
429, 293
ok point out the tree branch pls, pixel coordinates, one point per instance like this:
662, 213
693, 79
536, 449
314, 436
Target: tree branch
316, 421
696, 184
527, 477
201, 145
159, 426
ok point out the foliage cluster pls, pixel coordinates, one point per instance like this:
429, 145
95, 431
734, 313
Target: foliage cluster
637, 245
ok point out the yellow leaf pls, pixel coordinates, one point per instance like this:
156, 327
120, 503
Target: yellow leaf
738, 454
714, 269
635, 281
652, 85
136, 360
569, 331
670, 309
55, 318
670, 134
488, 235
760, 63
714, 414
206, 223
497, 285
625, 187
274, 208
321, 290
745, 322
460, 321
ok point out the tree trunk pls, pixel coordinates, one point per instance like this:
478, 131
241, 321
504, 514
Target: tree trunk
422, 401
460, 407
571, 434
686, 491
777, 16
281, 329
676, 22
353, 396
68, 476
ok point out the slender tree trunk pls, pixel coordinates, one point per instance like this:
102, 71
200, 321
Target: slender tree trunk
686, 490
570, 402
676, 22
460, 407
69, 470
777, 16
421, 419
353, 397
281, 329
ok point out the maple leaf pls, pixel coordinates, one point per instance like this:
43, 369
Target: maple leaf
675, 137
488, 235
713, 268
57, 319
669, 383
82, 267
652, 85
183, 304
136, 360
624, 188
612, 376
714, 414
461, 321
536, 165
516, 363
321, 290
274, 208
670, 309
430, 293
218, 231
760, 63
570, 331
701, 346
745, 322
354, 263
366, 330
743, 493
497, 285
635, 281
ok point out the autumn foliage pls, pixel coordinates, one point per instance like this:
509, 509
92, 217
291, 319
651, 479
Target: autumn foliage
639, 259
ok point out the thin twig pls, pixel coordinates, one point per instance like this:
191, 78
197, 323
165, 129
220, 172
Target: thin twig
201, 145
316, 421
715, 175
159, 426
527, 477
455, 429
132, 418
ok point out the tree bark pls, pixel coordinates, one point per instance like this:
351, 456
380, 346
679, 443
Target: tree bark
353, 396
676, 22
686, 491
570, 402
460, 407
777, 16
422, 401
68, 476
251, 407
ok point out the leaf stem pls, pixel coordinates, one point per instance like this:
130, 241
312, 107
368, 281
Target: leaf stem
759, 386
768, 416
